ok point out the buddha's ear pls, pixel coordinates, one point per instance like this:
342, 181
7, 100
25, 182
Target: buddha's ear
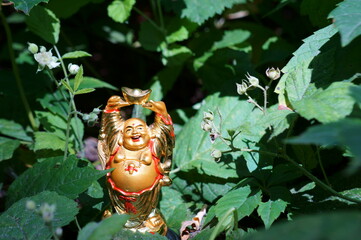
120, 141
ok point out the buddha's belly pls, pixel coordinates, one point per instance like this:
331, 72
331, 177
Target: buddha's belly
130, 177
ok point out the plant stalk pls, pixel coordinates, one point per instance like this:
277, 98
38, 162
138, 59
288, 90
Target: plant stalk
17, 73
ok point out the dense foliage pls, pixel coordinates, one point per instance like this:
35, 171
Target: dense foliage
269, 157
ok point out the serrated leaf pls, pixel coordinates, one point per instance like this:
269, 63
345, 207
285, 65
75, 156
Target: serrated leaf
13, 129
326, 105
47, 140
347, 18
354, 193
76, 54
68, 178
18, 222
27, 5
103, 230
334, 225
269, 211
199, 11
7, 147
78, 79
67, 86
297, 73
44, 23
119, 11
84, 91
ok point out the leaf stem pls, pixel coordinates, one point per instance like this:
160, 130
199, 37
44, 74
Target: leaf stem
251, 100
17, 73
318, 181
321, 166
148, 19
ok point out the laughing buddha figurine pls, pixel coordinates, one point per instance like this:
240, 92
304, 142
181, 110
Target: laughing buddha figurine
141, 157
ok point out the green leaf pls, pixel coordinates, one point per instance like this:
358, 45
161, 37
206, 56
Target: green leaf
27, 5
269, 211
68, 178
347, 18
119, 11
179, 29
233, 199
47, 140
7, 147
354, 193
78, 79
76, 54
334, 225
18, 222
65, 84
90, 82
231, 38
328, 105
13, 129
84, 91
175, 55
199, 11
344, 132
45, 24
103, 230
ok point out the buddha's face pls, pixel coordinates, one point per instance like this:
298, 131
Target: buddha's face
135, 134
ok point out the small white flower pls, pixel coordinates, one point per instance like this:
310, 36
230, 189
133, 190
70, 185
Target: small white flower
33, 48
273, 74
47, 212
73, 68
45, 58
208, 115
206, 126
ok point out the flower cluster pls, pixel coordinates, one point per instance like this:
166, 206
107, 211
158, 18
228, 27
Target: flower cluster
207, 125
91, 118
44, 58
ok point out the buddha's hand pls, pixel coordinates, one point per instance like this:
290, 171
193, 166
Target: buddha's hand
157, 107
116, 102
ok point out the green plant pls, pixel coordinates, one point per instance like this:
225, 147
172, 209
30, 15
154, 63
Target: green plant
280, 147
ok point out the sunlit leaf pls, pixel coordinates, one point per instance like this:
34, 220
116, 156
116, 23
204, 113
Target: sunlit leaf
76, 54
348, 20
119, 11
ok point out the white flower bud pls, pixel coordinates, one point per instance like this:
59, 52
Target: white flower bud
96, 110
206, 126
241, 88
208, 115
42, 49
216, 153
33, 48
73, 68
252, 80
30, 204
59, 231
273, 74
